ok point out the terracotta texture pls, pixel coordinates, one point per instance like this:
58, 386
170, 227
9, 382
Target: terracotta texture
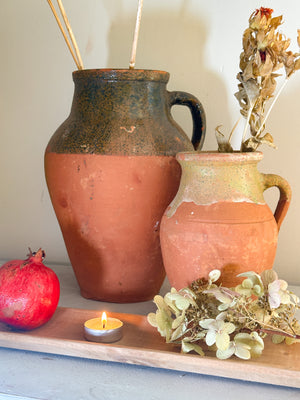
219, 218
111, 172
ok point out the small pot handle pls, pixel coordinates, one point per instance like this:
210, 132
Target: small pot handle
285, 191
198, 115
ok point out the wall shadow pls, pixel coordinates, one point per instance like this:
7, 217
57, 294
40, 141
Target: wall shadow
174, 41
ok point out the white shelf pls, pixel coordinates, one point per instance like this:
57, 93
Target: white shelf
33, 375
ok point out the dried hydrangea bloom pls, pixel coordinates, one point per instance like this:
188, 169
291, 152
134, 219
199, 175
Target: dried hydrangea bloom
218, 331
244, 346
229, 322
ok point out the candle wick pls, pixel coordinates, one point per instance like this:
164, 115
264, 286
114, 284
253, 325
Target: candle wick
103, 324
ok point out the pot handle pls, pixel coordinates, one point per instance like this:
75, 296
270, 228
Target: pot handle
284, 196
197, 111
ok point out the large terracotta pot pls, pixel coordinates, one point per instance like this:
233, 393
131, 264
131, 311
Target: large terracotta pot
219, 218
111, 172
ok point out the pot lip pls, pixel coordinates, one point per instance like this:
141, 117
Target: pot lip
215, 156
121, 74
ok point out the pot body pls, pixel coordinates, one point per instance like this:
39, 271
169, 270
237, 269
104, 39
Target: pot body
111, 172
219, 219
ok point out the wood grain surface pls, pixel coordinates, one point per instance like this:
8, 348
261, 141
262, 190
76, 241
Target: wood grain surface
142, 345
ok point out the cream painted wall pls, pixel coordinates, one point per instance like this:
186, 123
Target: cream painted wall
197, 41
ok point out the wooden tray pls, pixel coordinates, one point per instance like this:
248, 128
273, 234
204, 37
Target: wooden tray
142, 345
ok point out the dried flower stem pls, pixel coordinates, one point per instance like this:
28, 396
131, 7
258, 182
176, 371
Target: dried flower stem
270, 109
282, 333
265, 327
246, 125
64, 34
136, 35
233, 129
72, 37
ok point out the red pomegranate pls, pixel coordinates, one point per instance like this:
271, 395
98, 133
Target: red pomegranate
29, 292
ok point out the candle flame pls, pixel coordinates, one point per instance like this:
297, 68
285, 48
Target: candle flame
104, 319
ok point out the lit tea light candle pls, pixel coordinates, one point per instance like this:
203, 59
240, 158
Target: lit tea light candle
103, 330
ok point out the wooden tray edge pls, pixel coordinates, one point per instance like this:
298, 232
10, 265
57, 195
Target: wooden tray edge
253, 371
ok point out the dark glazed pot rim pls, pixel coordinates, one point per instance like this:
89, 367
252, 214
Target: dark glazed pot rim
122, 74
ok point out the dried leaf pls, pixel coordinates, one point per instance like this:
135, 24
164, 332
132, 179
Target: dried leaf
222, 341
225, 354
258, 290
290, 340
220, 295
178, 332
159, 301
178, 321
187, 347
276, 339
276, 22
223, 145
170, 303
252, 342
297, 64
200, 335
268, 276
247, 283
242, 352
248, 71
206, 323
151, 318
164, 323
228, 327
253, 143
210, 338
214, 275
268, 87
266, 68
182, 303
250, 89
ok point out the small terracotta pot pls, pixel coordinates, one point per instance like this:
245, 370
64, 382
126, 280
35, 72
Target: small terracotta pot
219, 218
111, 172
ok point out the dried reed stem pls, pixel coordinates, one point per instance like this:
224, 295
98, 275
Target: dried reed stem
136, 35
63, 32
72, 37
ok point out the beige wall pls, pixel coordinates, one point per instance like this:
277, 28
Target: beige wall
197, 41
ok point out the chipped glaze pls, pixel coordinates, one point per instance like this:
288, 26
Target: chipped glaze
240, 181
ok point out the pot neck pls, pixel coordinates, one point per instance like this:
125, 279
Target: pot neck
211, 178
131, 93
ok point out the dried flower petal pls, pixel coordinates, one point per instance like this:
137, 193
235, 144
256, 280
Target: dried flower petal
182, 303
151, 318
276, 339
268, 276
265, 51
187, 347
214, 275
227, 353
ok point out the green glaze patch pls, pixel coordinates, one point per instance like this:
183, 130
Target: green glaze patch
208, 178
